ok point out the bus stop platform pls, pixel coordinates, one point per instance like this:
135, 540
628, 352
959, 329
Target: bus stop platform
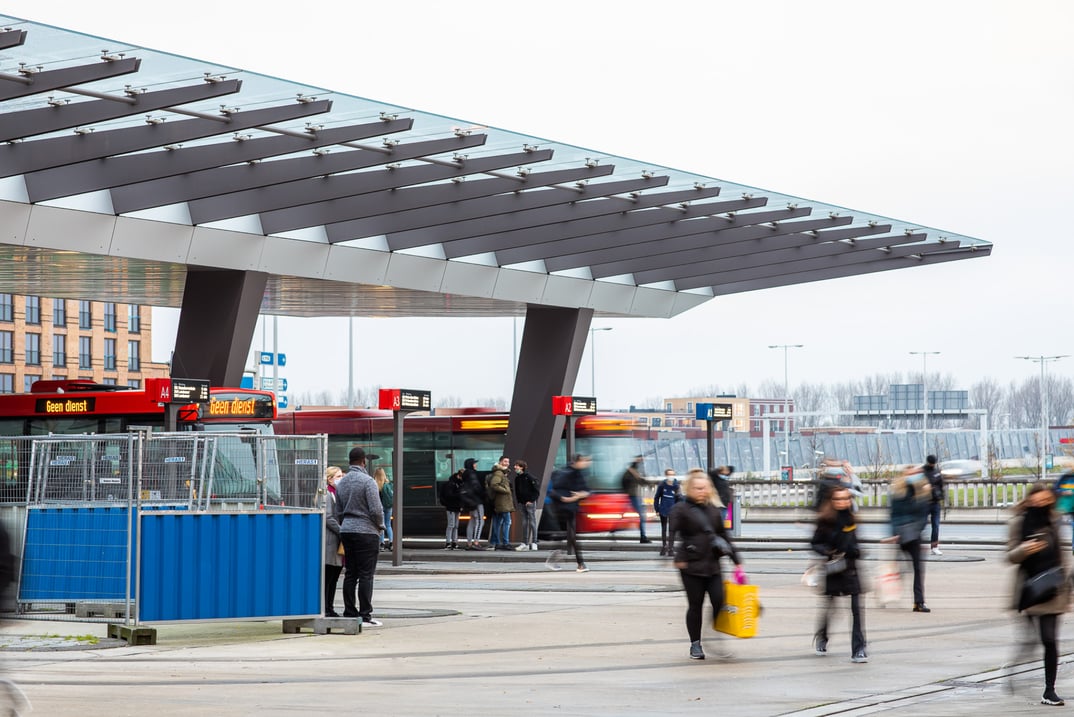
509, 637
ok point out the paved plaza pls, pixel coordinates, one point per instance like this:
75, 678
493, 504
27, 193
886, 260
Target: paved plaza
498, 634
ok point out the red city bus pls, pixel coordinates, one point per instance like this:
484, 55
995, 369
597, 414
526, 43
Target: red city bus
436, 446
80, 407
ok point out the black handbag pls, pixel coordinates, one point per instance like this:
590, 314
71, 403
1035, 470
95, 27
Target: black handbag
1041, 587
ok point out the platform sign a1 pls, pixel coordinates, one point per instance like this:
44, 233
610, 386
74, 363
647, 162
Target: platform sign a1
404, 399
574, 405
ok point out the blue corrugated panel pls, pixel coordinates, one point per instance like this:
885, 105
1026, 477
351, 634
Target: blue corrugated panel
213, 566
74, 554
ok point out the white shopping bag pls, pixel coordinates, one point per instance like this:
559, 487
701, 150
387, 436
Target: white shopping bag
888, 583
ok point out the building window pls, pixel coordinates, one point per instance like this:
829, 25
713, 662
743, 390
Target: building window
59, 350
108, 381
33, 309
5, 347
59, 312
689, 406
28, 382
134, 382
85, 315
667, 408
134, 319
109, 354
109, 316
85, 352
134, 360
33, 349
6, 310
7, 383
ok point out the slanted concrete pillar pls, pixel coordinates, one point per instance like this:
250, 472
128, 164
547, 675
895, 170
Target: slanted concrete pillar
216, 324
552, 344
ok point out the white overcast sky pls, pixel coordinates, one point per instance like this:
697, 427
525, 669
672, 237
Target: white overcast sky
952, 115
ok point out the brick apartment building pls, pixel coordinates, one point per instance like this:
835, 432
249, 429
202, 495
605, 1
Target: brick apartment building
98, 341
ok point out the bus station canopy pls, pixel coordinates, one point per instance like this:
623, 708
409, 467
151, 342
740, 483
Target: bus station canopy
121, 166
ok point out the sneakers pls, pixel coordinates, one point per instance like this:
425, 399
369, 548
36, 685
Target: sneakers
520, 547
552, 563
860, 657
820, 648
644, 540
937, 551
1050, 698
921, 607
581, 569
696, 653
370, 622
533, 546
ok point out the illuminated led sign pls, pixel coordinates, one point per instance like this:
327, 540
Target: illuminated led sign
574, 405
405, 399
65, 406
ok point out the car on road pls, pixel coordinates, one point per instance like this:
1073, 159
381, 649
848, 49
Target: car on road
954, 470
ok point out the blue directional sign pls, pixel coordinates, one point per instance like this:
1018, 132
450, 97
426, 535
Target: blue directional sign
281, 359
281, 401
268, 358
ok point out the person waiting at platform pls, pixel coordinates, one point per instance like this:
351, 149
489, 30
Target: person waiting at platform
635, 485
387, 502
668, 493
472, 499
333, 561
361, 520
935, 478
503, 504
527, 491
451, 499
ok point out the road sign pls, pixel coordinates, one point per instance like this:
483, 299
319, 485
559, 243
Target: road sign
281, 359
266, 358
270, 384
281, 400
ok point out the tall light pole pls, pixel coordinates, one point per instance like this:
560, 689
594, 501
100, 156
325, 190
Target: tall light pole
786, 400
593, 358
925, 398
1043, 361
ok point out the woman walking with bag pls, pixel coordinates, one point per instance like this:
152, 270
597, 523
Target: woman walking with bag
699, 524
1033, 545
836, 539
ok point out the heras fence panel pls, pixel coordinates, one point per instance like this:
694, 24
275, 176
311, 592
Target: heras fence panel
216, 566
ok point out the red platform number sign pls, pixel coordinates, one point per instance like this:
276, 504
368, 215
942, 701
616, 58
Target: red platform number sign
390, 399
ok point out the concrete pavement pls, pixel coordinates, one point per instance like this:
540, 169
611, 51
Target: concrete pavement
498, 634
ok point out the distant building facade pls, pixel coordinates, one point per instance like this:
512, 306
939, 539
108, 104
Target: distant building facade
748, 414
103, 342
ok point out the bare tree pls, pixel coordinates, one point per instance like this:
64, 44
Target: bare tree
986, 394
448, 401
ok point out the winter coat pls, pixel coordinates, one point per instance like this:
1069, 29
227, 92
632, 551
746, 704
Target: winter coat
834, 537
387, 496
500, 489
451, 493
473, 490
358, 508
695, 524
527, 488
331, 532
935, 478
1053, 555
565, 482
910, 499
666, 496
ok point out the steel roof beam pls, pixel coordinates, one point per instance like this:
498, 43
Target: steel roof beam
476, 209
767, 258
11, 38
59, 116
35, 83
415, 198
530, 241
904, 262
25, 157
667, 267
808, 265
112, 172
647, 241
294, 188
568, 215
311, 191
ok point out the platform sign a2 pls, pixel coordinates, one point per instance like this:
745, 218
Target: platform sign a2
574, 405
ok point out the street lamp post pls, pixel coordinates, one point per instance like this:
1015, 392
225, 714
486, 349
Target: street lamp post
925, 398
593, 358
1043, 360
786, 399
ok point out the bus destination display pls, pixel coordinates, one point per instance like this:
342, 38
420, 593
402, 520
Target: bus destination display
65, 406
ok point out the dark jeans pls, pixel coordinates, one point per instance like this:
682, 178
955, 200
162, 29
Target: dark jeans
696, 587
857, 625
664, 531
639, 507
331, 579
913, 550
569, 521
360, 554
935, 509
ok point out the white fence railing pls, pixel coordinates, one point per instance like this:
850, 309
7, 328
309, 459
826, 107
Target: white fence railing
959, 494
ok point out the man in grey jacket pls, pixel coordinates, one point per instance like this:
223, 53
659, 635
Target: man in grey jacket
361, 518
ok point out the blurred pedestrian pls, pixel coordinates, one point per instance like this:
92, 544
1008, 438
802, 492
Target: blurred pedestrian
721, 480
361, 520
1033, 545
668, 493
910, 495
473, 502
527, 492
387, 502
702, 540
503, 503
635, 485
451, 499
333, 561
568, 488
935, 478
836, 541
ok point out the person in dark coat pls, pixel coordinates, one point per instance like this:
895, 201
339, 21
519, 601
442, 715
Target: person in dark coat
473, 502
1033, 545
568, 488
721, 478
668, 493
451, 499
694, 524
836, 540
527, 492
910, 495
935, 478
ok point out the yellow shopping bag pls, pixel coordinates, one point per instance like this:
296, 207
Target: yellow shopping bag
741, 608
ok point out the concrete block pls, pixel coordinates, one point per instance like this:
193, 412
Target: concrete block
324, 625
133, 635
